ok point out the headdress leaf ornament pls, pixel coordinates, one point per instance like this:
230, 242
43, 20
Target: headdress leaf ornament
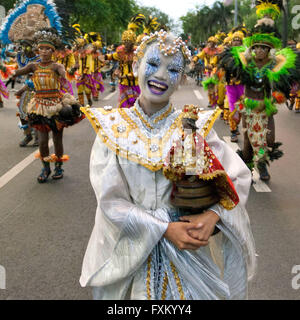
15, 26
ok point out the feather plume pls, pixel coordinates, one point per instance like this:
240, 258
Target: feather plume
136, 22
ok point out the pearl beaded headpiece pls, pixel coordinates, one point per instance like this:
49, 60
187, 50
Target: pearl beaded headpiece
165, 48
47, 36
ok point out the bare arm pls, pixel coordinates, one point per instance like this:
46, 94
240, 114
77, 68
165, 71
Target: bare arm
30, 68
60, 70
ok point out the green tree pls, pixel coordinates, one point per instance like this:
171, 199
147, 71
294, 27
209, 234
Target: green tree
206, 21
162, 17
7, 4
109, 17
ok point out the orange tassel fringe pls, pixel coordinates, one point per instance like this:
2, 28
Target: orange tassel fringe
52, 158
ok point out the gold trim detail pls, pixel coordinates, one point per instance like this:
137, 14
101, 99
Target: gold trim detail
210, 122
123, 152
164, 287
121, 134
178, 282
148, 277
131, 125
164, 115
145, 122
106, 112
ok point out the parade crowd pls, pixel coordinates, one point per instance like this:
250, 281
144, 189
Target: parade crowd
161, 238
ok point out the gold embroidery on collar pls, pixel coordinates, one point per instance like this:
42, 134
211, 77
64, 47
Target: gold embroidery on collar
106, 112
149, 142
164, 115
124, 153
121, 130
145, 122
156, 120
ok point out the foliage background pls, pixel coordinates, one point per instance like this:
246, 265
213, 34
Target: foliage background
110, 18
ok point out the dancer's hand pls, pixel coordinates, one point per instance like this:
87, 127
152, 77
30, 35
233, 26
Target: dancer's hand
206, 222
177, 233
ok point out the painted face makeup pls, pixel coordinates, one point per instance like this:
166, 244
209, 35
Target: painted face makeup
160, 75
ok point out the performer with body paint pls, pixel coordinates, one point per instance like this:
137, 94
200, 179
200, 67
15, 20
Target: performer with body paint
142, 246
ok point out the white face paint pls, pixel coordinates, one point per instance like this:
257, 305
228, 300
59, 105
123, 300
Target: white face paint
159, 75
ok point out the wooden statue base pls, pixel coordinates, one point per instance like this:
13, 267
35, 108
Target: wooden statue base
194, 196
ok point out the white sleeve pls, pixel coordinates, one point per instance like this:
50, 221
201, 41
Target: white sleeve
123, 234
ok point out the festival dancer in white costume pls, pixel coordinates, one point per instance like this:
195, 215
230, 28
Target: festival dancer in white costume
140, 248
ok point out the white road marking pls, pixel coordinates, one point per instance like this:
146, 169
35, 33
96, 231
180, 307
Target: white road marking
13, 172
110, 95
258, 184
198, 94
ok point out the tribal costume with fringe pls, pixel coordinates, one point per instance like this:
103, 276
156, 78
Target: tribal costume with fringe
67, 59
277, 74
234, 91
128, 83
3, 91
97, 75
45, 109
84, 81
271, 83
127, 254
210, 58
95, 40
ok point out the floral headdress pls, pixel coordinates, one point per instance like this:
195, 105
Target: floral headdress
165, 48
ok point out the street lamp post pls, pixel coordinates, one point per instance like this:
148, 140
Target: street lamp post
285, 22
235, 12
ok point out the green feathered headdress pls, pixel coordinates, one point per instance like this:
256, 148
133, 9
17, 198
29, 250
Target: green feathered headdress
263, 38
209, 81
268, 8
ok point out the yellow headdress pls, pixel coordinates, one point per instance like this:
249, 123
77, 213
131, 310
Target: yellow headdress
239, 35
220, 36
81, 42
94, 38
129, 36
150, 26
270, 8
298, 46
227, 40
135, 23
212, 39
77, 28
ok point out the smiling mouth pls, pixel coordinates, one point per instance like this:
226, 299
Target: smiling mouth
157, 87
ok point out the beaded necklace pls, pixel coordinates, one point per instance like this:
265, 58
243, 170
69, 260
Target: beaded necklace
259, 73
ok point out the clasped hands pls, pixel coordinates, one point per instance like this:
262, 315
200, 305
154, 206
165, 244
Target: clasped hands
192, 232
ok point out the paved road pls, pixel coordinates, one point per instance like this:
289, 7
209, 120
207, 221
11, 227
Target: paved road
44, 229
